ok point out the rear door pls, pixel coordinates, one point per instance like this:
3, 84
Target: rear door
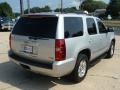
33, 37
93, 39
73, 34
103, 35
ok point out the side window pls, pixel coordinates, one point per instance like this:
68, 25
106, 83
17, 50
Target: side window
101, 27
73, 27
91, 26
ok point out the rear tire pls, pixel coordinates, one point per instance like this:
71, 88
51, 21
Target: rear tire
80, 69
110, 53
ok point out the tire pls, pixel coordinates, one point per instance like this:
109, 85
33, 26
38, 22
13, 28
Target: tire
78, 75
110, 52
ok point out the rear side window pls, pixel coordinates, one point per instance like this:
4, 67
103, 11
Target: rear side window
91, 26
37, 27
73, 27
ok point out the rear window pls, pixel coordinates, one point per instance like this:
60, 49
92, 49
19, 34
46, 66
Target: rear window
37, 27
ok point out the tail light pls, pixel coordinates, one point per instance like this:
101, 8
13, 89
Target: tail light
60, 50
10, 41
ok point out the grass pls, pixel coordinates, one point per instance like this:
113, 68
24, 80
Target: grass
112, 23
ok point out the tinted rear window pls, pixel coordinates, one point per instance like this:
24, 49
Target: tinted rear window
36, 27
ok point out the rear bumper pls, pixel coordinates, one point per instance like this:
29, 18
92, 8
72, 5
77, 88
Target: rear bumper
54, 69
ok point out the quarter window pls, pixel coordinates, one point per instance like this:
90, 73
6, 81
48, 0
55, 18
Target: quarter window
91, 26
73, 27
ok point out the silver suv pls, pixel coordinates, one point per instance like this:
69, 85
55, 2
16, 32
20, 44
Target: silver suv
59, 44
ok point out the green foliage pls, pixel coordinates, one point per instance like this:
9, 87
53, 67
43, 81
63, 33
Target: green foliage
46, 9
114, 8
67, 10
70, 10
16, 14
5, 10
57, 10
35, 10
91, 5
38, 9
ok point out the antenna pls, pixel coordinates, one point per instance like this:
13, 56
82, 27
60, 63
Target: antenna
61, 6
28, 4
21, 7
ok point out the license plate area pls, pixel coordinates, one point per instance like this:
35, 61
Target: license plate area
28, 49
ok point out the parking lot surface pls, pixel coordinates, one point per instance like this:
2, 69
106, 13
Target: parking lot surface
104, 74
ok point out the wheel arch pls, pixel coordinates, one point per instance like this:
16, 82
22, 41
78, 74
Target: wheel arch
86, 52
113, 40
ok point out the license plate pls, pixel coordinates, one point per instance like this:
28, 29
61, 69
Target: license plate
28, 49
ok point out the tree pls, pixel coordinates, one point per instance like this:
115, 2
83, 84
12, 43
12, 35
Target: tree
91, 5
114, 8
57, 10
46, 9
70, 10
80, 3
16, 14
38, 9
67, 10
5, 10
35, 10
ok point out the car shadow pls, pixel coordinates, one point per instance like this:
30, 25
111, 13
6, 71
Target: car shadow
17, 77
94, 62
